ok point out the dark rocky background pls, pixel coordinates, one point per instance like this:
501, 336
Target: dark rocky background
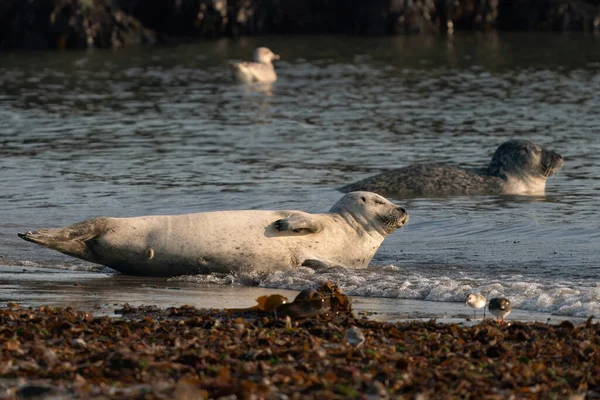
60, 24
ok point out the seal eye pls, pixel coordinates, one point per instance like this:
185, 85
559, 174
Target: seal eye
378, 202
363, 198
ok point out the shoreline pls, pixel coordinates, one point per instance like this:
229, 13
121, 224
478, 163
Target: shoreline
191, 353
102, 293
97, 345
124, 23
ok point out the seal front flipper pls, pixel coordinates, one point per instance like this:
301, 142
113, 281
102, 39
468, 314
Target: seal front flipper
298, 223
319, 265
315, 264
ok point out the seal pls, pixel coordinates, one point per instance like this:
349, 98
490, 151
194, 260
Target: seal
225, 241
261, 70
517, 167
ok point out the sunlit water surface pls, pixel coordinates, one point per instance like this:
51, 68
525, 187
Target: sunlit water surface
155, 131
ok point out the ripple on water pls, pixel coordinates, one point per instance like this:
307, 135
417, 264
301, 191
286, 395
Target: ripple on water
164, 131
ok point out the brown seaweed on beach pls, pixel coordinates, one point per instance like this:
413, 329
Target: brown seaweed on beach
326, 299
266, 303
192, 353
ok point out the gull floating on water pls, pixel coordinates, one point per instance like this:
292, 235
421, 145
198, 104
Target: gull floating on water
500, 307
476, 300
260, 70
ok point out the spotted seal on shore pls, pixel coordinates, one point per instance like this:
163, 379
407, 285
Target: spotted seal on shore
224, 241
260, 70
517, 167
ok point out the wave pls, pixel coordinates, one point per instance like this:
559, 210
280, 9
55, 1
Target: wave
565, 298
541, 291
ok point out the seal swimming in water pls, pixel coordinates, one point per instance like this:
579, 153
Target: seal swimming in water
224, 241
517, 167
261, 70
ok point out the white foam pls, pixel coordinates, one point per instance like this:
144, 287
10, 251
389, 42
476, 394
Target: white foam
557, 296
532, 294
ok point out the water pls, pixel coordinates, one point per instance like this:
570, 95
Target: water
154, 131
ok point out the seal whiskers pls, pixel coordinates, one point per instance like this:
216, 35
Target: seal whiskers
390, 222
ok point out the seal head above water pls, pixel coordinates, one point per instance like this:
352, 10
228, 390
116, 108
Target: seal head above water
517, 167
260, 70
224, 241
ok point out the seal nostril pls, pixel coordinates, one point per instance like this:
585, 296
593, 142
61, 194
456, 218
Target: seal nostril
402, 210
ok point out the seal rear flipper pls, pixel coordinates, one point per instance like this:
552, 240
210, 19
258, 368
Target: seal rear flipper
72, 240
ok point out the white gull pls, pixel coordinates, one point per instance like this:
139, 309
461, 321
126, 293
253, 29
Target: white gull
260, 70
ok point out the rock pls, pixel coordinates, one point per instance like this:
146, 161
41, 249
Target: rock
355, 336
68, 24
216, 18
558, 15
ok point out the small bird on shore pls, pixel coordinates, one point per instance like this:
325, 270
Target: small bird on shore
475, 301
260, 70
500, 307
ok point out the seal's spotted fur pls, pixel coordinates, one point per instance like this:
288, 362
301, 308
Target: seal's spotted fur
517, 167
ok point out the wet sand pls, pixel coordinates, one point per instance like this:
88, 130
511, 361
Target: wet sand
102, 293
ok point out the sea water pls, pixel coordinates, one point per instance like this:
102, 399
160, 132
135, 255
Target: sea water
165, 131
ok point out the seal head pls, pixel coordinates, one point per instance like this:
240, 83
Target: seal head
524, 162
371, 211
